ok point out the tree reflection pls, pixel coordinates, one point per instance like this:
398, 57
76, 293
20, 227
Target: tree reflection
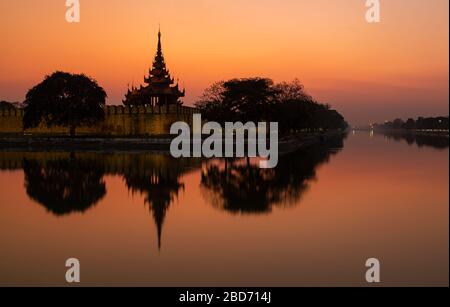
437, 141
241, 187
72, 183
64, 186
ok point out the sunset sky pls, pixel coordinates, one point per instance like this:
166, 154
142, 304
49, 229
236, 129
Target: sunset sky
369, 72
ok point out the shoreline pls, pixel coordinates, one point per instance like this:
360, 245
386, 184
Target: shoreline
286, 144
430, 133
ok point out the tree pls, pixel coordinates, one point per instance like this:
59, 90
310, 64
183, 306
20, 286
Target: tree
65, 99
398, 123
238, 100
11, 105
259, 99
410, 124
295, 90
252, 99
296, 110
212, 104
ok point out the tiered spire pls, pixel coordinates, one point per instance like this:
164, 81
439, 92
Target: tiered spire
159, 43
160, 85
159, 72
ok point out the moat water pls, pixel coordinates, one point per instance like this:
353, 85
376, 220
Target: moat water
150, 220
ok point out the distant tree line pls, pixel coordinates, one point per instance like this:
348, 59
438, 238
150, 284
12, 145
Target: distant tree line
260, 99
7, 104
422, 123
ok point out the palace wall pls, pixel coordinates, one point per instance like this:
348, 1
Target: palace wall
119, 121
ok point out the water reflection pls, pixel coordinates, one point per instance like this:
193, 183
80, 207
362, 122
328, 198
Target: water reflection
437, 141
241, 187
369, 201
67, 183
160, 184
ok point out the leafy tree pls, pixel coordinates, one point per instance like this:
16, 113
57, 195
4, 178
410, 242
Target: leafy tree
398, 123
259, 99
65, 99
295, 90
7, 104
252, 99
238, 100
410, 124
212, 104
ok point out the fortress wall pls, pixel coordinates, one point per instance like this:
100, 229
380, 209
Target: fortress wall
119, 121
11, 120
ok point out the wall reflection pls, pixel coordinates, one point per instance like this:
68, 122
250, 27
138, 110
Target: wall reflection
67, 183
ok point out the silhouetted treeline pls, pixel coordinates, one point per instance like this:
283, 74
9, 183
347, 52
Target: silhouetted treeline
260, 99
7, 104
422, 123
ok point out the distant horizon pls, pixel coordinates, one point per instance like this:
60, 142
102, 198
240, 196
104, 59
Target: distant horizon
368, 72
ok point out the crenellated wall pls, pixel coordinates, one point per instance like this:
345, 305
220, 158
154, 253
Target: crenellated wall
119, 121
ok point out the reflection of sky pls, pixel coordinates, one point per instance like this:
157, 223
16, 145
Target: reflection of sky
377, 199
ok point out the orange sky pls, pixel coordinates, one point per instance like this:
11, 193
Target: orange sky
369, 72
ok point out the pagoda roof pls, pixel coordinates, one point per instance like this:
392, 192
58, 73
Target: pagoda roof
159, 81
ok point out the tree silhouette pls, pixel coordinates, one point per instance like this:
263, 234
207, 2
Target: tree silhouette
259, 99
10, 105
65, 99
422, 123
238, 100
64, 186
296, 110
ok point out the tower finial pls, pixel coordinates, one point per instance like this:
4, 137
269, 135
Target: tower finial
159, 41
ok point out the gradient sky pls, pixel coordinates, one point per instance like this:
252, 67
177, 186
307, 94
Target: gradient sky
369, 72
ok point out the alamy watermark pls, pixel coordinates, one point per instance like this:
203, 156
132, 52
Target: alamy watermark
373, 272
373, 14
73, 11
226, 142
73, 273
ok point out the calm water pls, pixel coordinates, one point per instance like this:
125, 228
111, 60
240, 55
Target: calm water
143, 219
